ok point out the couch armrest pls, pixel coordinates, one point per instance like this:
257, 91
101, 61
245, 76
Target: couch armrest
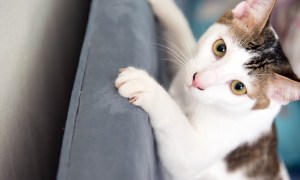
105, 137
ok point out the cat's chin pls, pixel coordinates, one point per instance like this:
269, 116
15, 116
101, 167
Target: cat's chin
193, 90
199, 95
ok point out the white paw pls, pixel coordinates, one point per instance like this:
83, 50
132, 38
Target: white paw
136, 85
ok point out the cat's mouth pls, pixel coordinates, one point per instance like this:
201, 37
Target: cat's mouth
197, 88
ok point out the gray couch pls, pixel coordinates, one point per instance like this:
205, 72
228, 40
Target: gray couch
105, 137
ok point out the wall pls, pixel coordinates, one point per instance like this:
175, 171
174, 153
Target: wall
40, 42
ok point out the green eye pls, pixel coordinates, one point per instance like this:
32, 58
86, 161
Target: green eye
238, 87
219, 48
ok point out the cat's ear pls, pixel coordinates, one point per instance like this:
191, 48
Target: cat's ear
254, 14
284, 90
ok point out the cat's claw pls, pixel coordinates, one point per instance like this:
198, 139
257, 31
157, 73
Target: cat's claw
136, 85
133, 99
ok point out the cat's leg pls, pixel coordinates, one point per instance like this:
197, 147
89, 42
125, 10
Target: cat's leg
177, 28
183, 152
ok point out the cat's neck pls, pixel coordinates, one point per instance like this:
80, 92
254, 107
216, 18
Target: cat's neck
247, 127
224, 130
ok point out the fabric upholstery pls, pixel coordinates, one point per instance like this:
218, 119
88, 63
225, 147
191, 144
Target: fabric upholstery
105, 137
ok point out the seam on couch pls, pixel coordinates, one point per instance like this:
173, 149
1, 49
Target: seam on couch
148, 156
75, 99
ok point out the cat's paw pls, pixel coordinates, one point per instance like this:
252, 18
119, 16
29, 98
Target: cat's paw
136, 85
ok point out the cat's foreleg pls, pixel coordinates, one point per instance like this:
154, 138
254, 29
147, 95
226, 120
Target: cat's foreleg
144, 91
181, 150
177, 28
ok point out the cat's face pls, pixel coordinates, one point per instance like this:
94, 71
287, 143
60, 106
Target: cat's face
239, 64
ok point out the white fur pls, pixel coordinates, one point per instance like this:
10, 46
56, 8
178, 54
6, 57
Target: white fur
195, 130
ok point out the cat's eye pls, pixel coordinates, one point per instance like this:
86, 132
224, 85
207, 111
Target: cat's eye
219, 48
238, 87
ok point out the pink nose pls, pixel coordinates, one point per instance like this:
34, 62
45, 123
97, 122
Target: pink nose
196, 81
203, 80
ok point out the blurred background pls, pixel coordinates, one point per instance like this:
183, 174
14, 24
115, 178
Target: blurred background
286, 21
40, 43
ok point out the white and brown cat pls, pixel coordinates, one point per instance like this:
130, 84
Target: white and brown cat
217, 120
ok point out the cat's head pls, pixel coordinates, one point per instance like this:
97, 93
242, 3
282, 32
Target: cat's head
239, 63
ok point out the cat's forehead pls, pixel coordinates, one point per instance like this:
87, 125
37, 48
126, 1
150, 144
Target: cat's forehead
250, 40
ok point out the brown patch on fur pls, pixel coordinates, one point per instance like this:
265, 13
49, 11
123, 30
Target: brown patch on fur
250, 25
259, 160
242, 34
266, 81
261, 104
226, 19
268, 56
259, 90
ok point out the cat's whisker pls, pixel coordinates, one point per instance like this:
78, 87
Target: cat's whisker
186, 48
167, 50
173, 61
180, 58
185, 55
176, 62
182, 43
177, 59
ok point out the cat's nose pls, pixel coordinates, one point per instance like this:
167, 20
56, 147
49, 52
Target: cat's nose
197, 81
203, 80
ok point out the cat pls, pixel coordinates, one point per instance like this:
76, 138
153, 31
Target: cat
217, 119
